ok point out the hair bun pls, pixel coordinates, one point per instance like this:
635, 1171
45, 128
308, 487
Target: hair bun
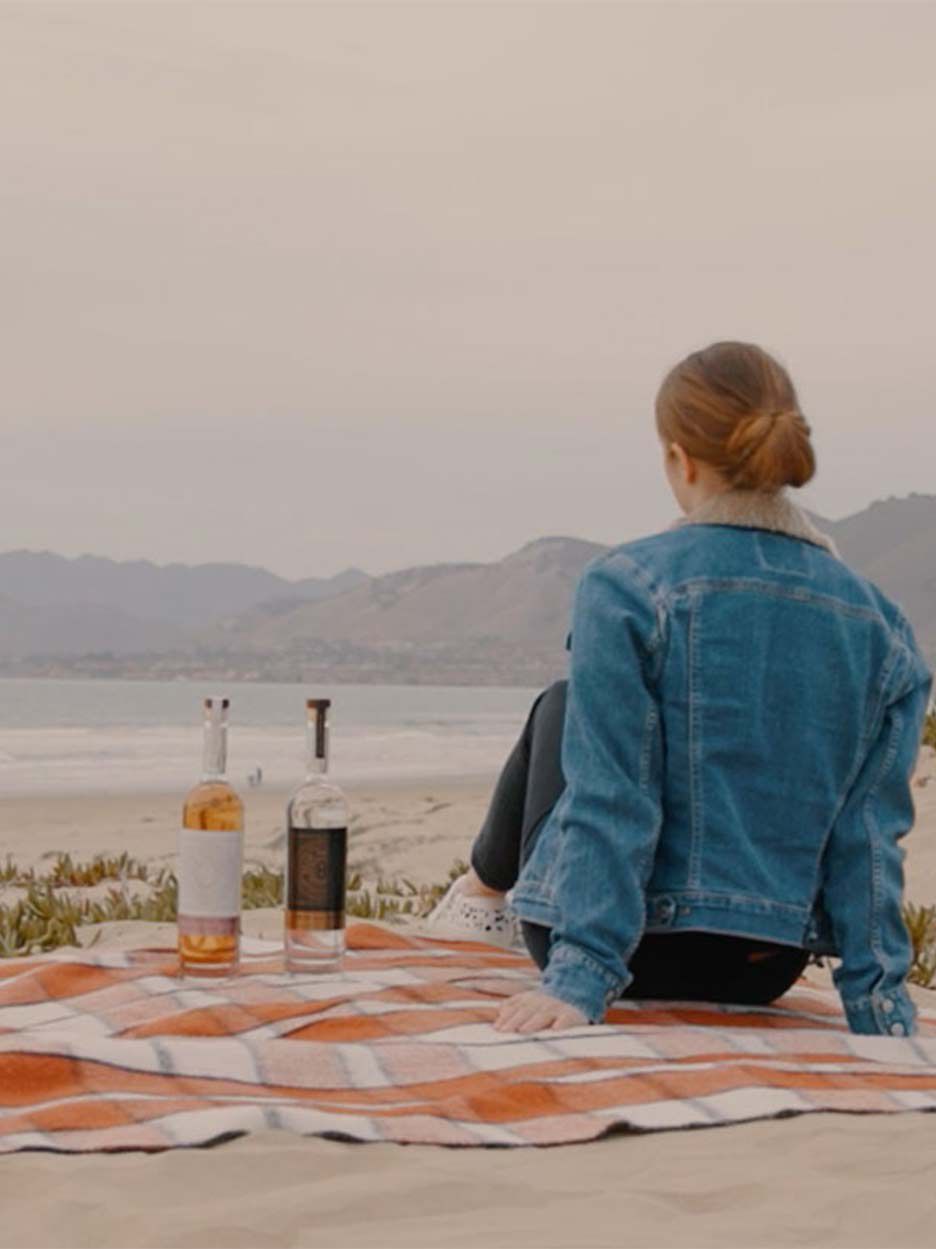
734, 407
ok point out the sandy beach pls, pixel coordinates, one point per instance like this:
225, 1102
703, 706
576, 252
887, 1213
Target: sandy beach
778, 1182
412, 828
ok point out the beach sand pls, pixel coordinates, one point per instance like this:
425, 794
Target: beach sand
416, 829
819, 1179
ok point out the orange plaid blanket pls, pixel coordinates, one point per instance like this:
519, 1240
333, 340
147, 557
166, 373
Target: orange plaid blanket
112, 1050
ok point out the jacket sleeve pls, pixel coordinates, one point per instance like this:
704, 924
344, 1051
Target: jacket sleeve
863, 863
610, 812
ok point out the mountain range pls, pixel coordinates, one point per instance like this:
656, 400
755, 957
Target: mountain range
503, 622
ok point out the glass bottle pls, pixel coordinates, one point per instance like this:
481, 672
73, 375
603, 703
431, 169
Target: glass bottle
211, 850
317, 820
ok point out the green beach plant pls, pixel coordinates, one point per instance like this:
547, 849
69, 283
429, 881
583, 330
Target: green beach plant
50, 911
929, 729
921, 925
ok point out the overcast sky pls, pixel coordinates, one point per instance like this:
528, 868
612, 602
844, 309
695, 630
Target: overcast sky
315, 285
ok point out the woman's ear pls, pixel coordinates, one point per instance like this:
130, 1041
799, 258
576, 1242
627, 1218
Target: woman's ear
686, 465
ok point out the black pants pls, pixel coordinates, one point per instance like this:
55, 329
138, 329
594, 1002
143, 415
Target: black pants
697, 966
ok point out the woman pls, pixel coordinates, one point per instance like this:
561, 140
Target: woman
719, 792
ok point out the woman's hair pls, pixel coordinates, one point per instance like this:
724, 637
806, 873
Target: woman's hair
734, 407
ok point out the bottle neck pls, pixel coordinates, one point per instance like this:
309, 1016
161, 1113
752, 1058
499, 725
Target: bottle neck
214, 756
317, 744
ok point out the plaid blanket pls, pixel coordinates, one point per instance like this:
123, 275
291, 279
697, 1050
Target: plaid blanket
112, 1050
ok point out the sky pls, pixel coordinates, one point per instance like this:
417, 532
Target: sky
319, 285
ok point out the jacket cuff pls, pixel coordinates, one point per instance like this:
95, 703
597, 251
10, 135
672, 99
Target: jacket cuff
580, 981
888, 1014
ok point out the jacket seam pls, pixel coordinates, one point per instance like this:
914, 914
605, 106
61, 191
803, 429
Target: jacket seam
656, 596
903, 639
702, 895
572, 955
874, 840
866, 740
646, 746
864, 1000
696, 803
697, 585
652, 730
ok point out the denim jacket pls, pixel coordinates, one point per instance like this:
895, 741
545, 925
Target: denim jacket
743, 717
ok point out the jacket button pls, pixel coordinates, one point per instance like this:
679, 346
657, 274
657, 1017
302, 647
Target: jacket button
665, 910
888, 1005
897, 1028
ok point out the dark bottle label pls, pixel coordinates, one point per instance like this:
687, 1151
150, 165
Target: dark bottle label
317, 869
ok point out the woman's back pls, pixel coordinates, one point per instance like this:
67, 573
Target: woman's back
743, 716
726, 782
763, 706
776, 661
775, 671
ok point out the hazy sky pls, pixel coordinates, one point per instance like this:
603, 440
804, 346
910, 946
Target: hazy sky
313, 285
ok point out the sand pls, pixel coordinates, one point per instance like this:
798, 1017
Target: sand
821, 1179
413, 829
827, 1180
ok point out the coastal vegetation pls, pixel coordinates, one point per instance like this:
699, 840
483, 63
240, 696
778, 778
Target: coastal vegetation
50, 907
47, 908
929, 730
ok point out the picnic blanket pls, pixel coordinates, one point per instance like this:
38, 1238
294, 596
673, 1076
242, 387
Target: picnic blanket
112, 1050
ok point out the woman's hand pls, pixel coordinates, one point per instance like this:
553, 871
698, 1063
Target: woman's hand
535, 1012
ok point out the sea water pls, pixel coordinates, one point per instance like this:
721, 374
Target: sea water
102, 735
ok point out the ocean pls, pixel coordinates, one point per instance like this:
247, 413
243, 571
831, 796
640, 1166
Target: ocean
98, 736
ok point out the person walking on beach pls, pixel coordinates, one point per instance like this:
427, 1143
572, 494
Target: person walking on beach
719, 790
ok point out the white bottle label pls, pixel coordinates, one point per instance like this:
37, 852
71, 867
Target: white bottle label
210, 873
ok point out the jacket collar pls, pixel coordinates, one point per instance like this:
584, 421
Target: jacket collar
758, 509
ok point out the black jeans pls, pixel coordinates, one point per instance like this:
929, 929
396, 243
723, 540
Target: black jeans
694, 966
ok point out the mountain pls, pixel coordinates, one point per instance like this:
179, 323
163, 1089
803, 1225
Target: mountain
518, 607
524, 598
79, 628
50, 605
892, 542
884, 528
181, 594
503, 622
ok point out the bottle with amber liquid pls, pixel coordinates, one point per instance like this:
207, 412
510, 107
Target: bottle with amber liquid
211, 851
317, 819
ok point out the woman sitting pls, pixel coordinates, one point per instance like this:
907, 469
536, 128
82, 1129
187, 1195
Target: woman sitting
720, 790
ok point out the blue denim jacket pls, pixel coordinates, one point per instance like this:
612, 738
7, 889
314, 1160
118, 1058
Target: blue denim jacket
744, 714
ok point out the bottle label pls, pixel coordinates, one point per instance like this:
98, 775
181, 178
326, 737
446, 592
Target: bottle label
316, 869
210, 873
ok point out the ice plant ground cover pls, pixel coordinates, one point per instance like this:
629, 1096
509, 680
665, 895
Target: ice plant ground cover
108, 1049
50, 906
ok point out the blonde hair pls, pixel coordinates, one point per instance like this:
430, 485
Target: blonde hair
734, 407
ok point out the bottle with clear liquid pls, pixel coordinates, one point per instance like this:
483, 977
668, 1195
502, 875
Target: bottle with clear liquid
317, 820
211, 851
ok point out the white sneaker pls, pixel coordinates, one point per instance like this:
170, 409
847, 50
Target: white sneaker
472, 917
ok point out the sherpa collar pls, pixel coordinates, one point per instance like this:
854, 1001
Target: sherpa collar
758, 509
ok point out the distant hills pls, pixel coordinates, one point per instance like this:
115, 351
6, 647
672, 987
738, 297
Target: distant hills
893, 543
503, 622
56, 606
523, 599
